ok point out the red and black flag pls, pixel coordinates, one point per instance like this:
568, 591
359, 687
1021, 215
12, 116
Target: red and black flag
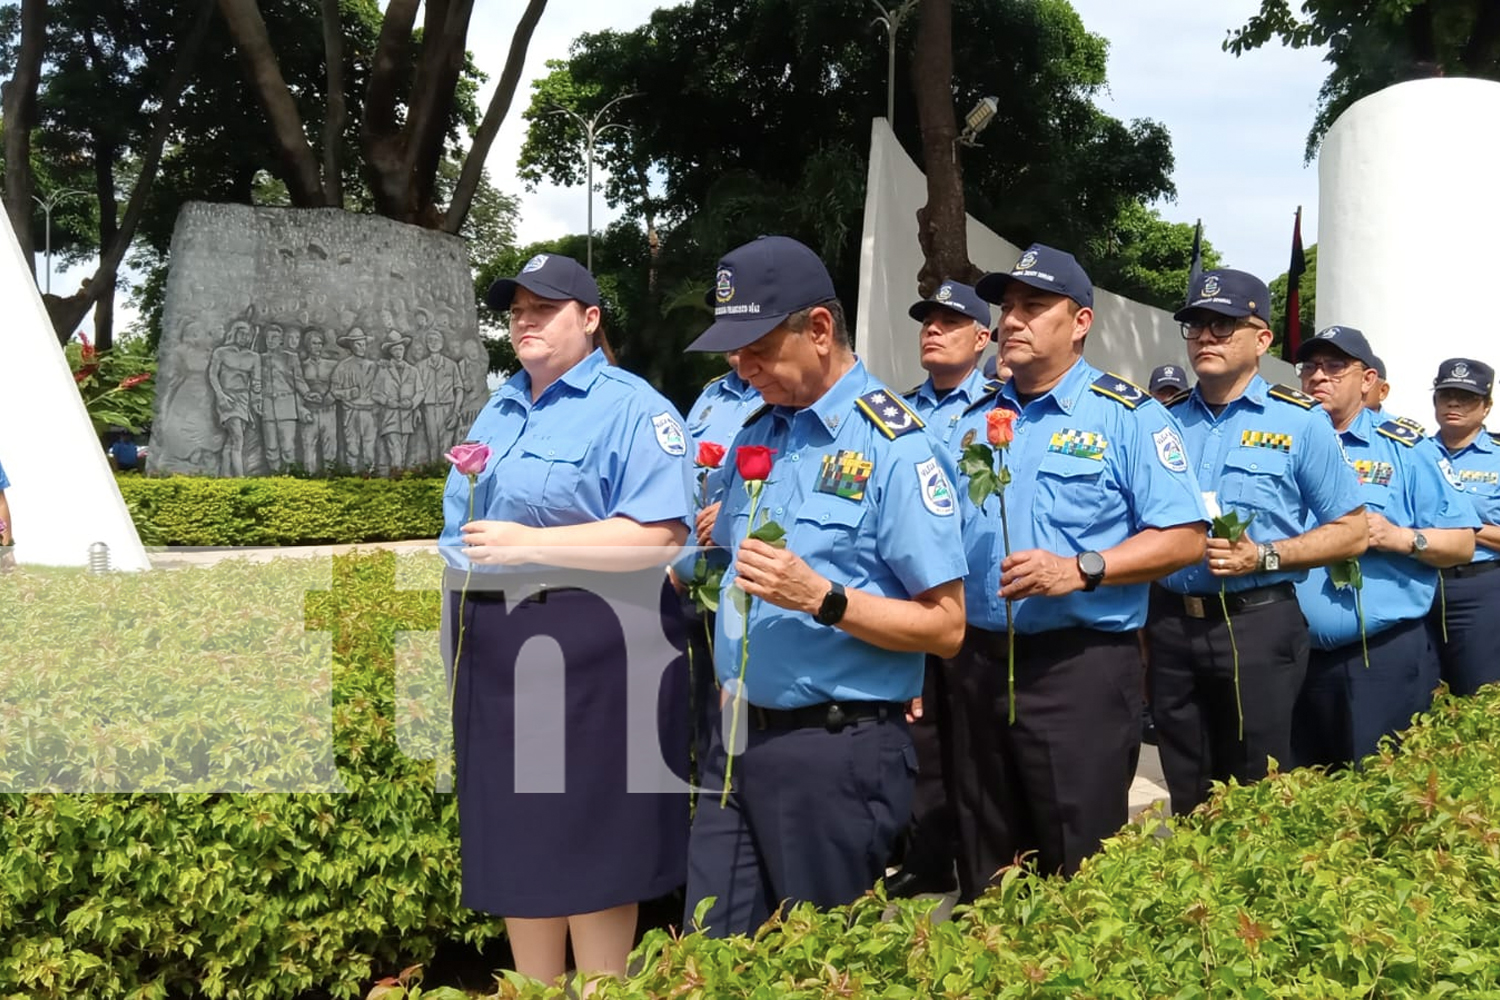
1292, 336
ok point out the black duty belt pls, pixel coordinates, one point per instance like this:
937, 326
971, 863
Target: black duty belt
830, 715
1207, 607
1472, 569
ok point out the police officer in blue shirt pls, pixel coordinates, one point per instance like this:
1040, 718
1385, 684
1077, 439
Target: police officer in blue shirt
1466, 614
584, 456
954, 333
838, 620
1100, 502
1262, 452
7, 535
1373, 664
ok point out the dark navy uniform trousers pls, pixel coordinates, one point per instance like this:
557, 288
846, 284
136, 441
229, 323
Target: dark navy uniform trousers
1470, 600
931, 844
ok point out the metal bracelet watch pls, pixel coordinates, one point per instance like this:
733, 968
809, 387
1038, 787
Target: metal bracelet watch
1418, 543
1270, 559
835, 603
1091, 565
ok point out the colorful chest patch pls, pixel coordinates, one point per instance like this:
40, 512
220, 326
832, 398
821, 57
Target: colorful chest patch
1478, 476
845, 474
1373, 473
1266, 439
1079, 444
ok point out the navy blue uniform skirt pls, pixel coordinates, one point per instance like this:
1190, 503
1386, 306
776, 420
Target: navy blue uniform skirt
558, 813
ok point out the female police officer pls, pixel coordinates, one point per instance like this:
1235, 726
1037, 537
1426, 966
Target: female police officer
583, 455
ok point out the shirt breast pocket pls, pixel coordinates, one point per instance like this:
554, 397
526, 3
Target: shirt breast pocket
1254, 478
553, 472
1072, 490
825, 532
1374, 496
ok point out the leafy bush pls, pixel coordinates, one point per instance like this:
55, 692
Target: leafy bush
278, 510
181, 679
1384, 882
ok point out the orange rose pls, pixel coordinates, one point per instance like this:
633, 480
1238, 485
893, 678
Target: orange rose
1000, 425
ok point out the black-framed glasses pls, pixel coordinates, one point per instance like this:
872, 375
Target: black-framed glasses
1332, 367
1221, 327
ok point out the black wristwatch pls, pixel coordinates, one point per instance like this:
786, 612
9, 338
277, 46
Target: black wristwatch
1091, 565
835, 603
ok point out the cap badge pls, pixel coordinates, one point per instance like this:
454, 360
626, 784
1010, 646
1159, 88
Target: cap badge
1027, 261
535, 264
1211, 285
1329, 333
945, 293
724, 285
1460, 370
1169, 371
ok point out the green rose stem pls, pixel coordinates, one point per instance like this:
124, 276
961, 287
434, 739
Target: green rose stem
1443, 606
445, 777
1230, 527
752, 487
1010, 618
1346, 575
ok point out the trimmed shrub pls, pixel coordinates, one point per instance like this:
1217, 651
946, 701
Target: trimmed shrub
278, 510
208, 893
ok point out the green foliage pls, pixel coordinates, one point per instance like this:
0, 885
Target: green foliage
206, 893
1146, 258
1373, 44
118, 386
1307, 299
1381, 882
278, 510
978, 463
1231, 526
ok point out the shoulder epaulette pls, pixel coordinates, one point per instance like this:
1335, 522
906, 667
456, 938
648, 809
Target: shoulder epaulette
757, 414
909, 393
1120, 390
1181, 397
716, 378
887, 412
1296, 397
1397, 431
1409, 422
1494, 438
985, 398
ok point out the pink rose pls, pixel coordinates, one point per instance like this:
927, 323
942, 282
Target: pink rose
469, 458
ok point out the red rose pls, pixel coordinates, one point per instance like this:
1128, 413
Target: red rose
710, 455
1000, 425
754, 462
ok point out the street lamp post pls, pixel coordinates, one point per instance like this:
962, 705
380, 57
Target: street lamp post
891, 20
591, 131
52, 201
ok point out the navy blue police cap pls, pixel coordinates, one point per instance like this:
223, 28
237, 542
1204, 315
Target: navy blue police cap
759, 285
1379, 366
1342, 338
1466, 374
548, 276
953, 295
1229, 293
1167, 375
1041, 266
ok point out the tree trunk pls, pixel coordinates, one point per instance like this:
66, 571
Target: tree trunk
505, 92
381, 135
19, 101
67, 313
941, 225
338, 113
447, 26
299, 163
109, 231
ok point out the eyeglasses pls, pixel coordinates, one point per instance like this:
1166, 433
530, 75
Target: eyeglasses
1221, 327
1332, 367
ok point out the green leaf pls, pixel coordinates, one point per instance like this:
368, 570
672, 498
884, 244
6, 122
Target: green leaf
771, 533
1229, 525
977, 459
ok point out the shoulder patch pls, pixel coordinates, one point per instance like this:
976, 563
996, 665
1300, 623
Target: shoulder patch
888, 413
669, 434
1409, 422
1399, 432
1296, 397
985, 398
1119, 389
1494, 438
757, 414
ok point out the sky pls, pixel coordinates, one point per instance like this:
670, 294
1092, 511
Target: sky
1238, 125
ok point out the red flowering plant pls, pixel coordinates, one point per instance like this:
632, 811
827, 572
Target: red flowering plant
753, 462
116, 385
988, 474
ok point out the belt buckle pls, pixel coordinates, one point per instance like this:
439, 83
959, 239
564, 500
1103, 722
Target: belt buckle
1193, 605
836, 718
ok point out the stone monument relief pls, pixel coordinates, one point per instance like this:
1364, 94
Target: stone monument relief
313, 339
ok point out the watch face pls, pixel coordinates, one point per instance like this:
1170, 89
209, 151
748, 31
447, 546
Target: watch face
1092, 563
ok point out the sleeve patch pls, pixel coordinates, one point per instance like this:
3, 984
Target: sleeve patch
1399, 432
1120, 390
669, 434
1296, 397
937, 492
1169, 450
888, 413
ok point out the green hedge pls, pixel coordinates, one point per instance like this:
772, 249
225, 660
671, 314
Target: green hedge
176, 676
1383, 883
276, 510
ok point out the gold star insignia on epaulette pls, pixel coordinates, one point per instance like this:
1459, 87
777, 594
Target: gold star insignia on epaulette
1409, 422
887, 412
1399, 432
1120, 390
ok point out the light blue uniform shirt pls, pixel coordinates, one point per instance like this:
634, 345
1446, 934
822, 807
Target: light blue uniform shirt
717, 416
943, 415
1407, 481
871, 511
1478, 468
4, 483
1276, 458
1089, 469
598, 443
